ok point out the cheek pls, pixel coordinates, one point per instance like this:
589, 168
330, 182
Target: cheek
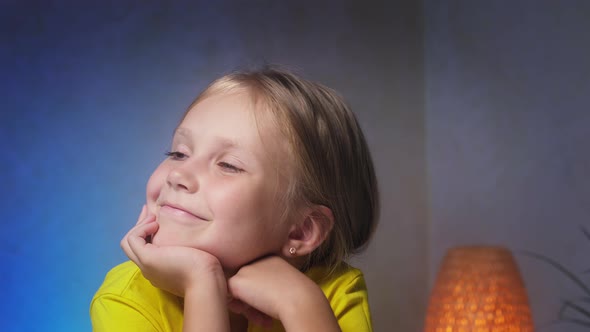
241, 202
226, 201
154, 186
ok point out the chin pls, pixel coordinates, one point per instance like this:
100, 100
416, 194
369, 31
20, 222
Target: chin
172, 237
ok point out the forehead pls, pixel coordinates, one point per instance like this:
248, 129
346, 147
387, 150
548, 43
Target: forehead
234, 118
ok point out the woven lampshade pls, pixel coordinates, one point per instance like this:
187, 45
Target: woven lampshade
478, 289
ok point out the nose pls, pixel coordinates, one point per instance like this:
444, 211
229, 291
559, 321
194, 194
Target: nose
182, 179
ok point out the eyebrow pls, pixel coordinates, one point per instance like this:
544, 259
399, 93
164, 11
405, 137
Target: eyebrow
183, 132
221, 141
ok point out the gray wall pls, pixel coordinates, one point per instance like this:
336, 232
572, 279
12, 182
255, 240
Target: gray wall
508, 128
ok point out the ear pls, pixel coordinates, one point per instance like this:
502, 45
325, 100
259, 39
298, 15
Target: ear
310, 233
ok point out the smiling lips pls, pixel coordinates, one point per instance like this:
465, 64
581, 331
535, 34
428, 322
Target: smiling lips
178, 211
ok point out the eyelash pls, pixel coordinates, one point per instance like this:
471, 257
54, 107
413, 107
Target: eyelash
175, 155
229, 167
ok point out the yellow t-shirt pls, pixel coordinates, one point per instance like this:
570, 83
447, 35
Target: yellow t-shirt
127, 301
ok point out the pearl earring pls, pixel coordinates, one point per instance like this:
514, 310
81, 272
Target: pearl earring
292, 250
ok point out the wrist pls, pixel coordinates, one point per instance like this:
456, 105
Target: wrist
311, 303
211, 282
205, 303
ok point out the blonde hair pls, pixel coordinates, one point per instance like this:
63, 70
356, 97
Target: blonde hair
331, 160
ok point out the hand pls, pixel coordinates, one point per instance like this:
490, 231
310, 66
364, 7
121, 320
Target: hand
144, 217
172, 268
252, 314
262, 285
275, 288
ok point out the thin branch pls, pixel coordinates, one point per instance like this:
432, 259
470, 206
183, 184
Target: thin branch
567, 304
560, 268
585, 231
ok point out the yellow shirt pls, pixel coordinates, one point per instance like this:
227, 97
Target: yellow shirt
127, 301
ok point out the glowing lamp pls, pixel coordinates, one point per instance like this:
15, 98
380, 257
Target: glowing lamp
478, 289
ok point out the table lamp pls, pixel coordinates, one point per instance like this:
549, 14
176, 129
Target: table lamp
478, 289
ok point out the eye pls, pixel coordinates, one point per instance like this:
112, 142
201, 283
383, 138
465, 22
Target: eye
175, 155
229, 167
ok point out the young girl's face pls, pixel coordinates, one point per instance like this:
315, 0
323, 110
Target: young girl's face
219, 189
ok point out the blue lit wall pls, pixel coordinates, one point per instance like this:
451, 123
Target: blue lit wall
89, 97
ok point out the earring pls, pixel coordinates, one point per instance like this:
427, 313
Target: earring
292, 250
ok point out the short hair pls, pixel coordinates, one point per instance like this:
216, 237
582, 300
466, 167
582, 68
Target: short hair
331, 160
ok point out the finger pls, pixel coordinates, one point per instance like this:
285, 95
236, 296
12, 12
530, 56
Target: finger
147, 218
127, 250
139, 233
137, 239
125, 245
252, 314
142, 215
130, 254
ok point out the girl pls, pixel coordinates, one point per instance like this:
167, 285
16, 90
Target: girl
268, 187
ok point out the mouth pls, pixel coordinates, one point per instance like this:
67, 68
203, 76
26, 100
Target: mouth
178, 212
